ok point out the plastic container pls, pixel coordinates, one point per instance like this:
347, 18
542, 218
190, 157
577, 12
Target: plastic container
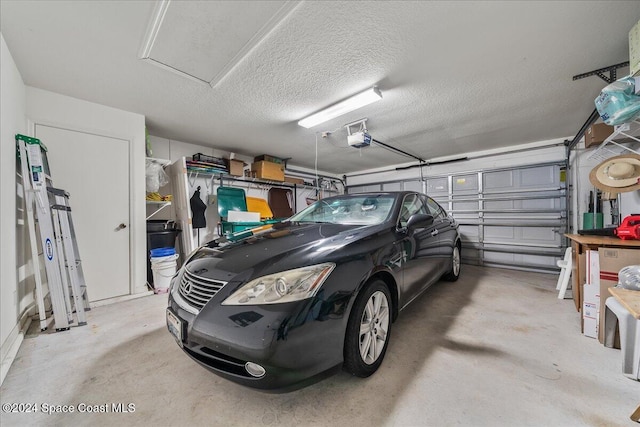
159, 239
587, 220
163, 266
255, 204
162, 252
154, 225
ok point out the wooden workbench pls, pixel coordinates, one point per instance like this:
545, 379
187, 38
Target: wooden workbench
629, 300
580, 245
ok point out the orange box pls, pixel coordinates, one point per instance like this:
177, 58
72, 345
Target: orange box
293, 180
596, 134
268, 171
236, 167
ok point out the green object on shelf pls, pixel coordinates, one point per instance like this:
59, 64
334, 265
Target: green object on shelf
234, 199
587, 220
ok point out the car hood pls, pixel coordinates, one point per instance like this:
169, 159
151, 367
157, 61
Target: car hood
282, 247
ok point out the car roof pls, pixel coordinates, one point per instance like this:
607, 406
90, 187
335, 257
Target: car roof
382, 193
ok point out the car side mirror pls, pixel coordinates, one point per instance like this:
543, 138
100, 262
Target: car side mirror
419, 221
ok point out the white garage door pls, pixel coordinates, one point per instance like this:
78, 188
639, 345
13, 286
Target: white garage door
509, 217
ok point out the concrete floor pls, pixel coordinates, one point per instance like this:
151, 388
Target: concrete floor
497, 348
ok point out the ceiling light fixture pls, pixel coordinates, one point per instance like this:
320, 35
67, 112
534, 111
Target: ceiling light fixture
350, 104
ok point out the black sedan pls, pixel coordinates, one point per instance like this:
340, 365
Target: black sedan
279, 308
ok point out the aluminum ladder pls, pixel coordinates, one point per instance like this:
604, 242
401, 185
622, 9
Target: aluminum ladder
44, 208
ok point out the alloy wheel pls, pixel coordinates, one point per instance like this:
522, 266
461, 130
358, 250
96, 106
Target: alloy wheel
456, 261
374, 326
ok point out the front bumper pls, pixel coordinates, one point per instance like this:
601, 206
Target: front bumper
296, 343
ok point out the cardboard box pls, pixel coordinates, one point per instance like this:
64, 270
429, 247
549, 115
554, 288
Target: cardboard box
293, 180
268, 171
634, 50
268, 158
590, 311
593, 268
596, 134
236, 167
611, 262
590, 303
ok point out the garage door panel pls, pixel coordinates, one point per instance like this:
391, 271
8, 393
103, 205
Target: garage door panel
469, 232
545, 236
540, 235
539, 176
513, 217
511, 259
465, 184
442, 200
499, 204
364, 188
538, 204
413, 186
460, 209
498, 180
392, 186
470, 255
496, 232
437, 186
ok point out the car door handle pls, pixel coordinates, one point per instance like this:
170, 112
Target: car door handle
434, 232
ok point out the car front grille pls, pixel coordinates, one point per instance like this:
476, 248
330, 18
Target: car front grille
197, 290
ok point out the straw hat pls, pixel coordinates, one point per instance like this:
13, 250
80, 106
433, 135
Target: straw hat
618, 174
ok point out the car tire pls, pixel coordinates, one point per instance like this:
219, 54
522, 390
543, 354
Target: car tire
368, 330
454, 273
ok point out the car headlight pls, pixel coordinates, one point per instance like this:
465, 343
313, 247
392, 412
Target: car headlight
286, 286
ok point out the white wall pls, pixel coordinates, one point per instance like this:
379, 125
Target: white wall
48, 108
13, 300
21, 108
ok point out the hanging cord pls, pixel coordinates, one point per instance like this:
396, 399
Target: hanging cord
316, 168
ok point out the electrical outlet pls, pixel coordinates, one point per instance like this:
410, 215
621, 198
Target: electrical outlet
212, 199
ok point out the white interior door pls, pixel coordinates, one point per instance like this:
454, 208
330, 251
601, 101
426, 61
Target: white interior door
94, 169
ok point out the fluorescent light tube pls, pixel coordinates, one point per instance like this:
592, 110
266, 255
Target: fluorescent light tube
350, 104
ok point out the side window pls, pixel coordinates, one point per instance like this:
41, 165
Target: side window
435, 209
411, 204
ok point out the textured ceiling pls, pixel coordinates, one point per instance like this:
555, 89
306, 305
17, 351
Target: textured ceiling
456, 77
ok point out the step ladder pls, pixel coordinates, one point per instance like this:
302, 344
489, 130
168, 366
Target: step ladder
48, 208
67, 245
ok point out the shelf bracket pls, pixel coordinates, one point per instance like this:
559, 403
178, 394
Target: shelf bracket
594, 115
191, 175
159, 209
600, 72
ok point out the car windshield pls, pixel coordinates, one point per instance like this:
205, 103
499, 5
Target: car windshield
357, 210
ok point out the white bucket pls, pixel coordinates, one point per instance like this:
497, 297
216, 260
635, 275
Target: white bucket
163, 269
